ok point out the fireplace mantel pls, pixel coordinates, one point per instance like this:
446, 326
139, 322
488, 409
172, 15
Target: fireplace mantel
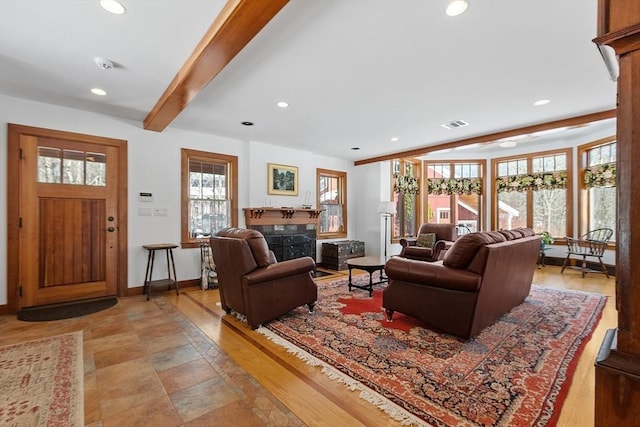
280, 216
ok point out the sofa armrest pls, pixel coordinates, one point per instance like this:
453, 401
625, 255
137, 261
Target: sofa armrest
433, 274
280, 270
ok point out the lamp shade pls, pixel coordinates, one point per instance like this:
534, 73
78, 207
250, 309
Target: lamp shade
387, 208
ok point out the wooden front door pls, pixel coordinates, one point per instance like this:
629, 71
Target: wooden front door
69, 235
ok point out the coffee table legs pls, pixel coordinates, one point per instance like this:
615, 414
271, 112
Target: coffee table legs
370, 270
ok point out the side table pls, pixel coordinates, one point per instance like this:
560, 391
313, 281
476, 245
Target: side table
171, 267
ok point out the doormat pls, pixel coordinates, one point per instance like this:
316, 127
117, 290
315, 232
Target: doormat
66, 310
42, 382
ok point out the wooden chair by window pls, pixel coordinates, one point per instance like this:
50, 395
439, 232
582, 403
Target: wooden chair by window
592, 244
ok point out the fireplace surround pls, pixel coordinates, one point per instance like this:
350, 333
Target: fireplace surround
290, 233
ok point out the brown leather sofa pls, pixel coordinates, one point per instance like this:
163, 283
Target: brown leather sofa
253, 283
483, 276
446, 234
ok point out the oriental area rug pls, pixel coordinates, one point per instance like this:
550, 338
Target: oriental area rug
515, 373
41, 382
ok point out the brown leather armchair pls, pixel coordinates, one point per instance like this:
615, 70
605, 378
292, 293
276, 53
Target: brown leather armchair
446, 234
253, 283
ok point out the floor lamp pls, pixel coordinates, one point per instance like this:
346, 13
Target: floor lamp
387, 209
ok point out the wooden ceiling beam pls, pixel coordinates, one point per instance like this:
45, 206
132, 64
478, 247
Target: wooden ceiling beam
238, 22
573, 121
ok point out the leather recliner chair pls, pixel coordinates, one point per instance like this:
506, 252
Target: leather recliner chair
253, 283
446, 234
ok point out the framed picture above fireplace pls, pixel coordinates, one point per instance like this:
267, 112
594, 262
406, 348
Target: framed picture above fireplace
283, 180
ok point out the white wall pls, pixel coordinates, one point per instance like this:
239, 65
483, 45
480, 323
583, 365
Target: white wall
154, 166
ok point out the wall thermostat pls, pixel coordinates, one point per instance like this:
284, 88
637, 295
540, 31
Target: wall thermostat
145, 197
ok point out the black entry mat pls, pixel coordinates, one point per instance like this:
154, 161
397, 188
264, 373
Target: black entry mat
65, 310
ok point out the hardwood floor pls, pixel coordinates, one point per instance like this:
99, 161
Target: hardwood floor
220, 372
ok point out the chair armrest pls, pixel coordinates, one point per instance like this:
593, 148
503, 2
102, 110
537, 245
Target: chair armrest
279, 270
440, 248
408, 241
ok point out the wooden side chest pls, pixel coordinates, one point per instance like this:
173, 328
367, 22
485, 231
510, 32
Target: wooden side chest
336, 254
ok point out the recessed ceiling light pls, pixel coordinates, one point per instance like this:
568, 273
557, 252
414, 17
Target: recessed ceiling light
103, 63
508, 143
247, 123
457, 7
98, 91
541, 102
282, 104
113, 6
395, 139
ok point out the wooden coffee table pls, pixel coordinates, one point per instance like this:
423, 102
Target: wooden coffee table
370, 264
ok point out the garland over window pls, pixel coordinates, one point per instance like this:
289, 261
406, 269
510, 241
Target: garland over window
532, 182
406, 185
452, 186
600, 176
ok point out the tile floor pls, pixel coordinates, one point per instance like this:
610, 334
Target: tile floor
146, 364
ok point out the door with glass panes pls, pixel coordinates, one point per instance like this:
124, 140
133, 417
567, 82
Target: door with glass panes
68, 220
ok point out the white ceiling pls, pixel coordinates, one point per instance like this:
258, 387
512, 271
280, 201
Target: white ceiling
355, 72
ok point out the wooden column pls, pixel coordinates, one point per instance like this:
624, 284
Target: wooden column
617, 394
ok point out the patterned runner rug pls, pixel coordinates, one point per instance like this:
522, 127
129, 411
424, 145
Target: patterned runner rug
515, 373
41, 382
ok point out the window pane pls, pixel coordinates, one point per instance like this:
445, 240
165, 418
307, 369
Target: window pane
502, 169
550, 212
436, 204
331, 218
522, 167
602, 208
467, 210
549, 164
537, 165
96, 169
195, 186
512, 210
409, 212
72, 167
49, 162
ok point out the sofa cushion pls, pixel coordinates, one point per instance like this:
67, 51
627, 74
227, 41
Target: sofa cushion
464, 250
526, 232
508, 234
426, 240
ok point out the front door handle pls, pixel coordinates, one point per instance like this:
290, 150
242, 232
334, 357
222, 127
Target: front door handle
111, 229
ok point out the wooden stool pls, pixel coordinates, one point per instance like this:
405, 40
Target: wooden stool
171, 267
